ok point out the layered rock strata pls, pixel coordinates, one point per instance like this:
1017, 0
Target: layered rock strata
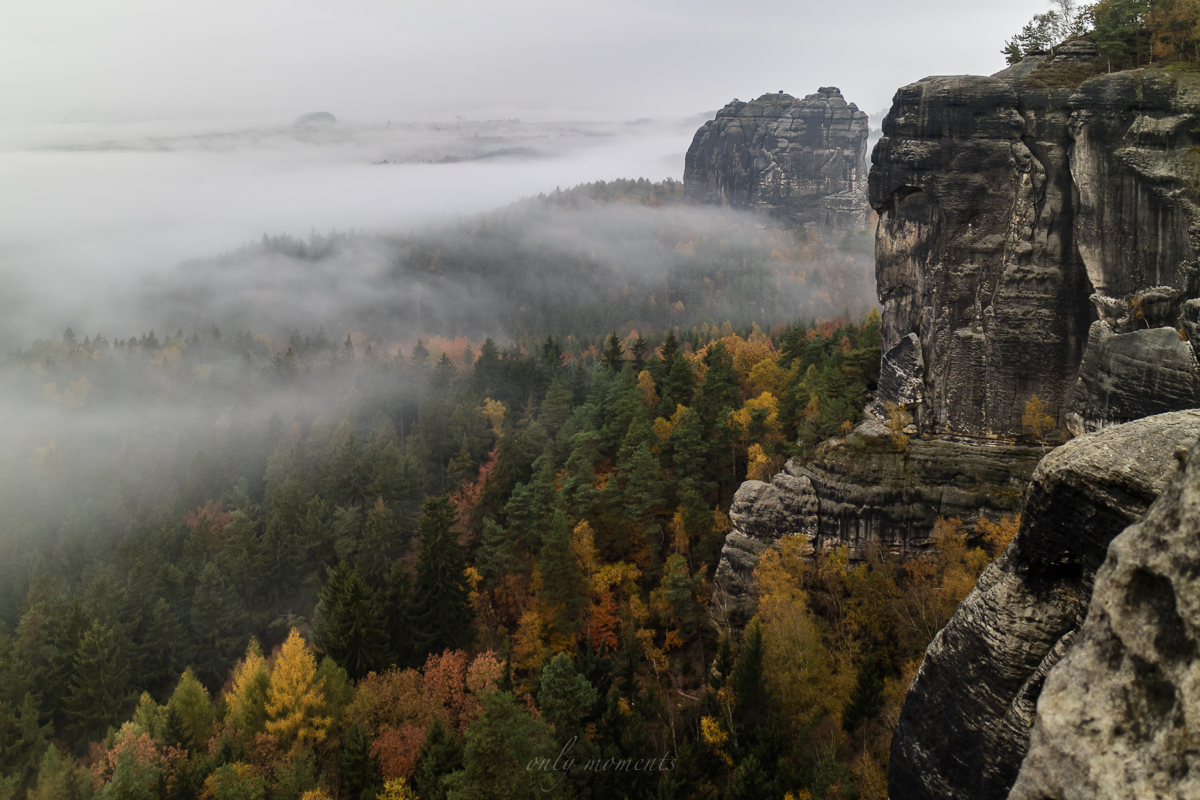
1028, 229
863, 492
803, 161
1117, 714
966, 721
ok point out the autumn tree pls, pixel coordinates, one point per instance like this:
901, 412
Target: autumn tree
295, 701
1037, 421
246, 699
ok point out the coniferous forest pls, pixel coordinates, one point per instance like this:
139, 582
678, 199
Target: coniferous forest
330, 564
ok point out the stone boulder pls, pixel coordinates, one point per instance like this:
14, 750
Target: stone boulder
966, 720
1117, 714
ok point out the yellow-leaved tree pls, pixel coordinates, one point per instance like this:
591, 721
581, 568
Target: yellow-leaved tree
295, 702
247, 699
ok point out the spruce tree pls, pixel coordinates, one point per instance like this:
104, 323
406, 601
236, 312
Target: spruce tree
614, 354
101, 694
165, 650
348, 623
441, 754
441, 605
398, 619
218, 626
360, 766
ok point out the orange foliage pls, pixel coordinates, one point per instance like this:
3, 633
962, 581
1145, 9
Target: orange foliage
398, 750
450, 687
210, 520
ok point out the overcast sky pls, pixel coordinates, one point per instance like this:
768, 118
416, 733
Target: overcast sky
373, 60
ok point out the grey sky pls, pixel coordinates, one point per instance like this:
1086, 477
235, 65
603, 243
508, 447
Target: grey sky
367, 60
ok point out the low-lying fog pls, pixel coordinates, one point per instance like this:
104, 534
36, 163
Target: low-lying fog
86, 219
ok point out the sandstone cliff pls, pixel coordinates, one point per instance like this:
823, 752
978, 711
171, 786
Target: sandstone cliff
1029, 229
965, 723
802, 161
1117, 715
861, 491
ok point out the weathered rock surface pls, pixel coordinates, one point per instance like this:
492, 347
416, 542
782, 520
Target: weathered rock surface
966, 720
1117, 714
801, 160
1013, 214
864, 491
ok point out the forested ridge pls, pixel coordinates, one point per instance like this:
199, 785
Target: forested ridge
252, 565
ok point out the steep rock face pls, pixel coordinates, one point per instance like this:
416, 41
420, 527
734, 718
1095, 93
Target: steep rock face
1116, 716
803, 161
966, 720
1013, 216
862, 492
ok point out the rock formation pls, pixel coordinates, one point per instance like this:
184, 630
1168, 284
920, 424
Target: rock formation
966, 720
1028, 229
802, 161
1117, 714
864, 490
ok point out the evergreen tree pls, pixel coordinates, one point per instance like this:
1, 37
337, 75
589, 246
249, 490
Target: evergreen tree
750, 686
442, 612
497, 750
678, 386
564, 591
398, 617
359, 765
565, 698
218, 626
638, 351
614, 354
378, 545
441, 755
864, 701
348, 624
165, 650
100, 691
670, 347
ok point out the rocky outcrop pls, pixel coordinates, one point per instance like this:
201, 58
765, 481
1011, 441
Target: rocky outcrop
1117, 716
864, 492
802, 161
966, 720
1014, 214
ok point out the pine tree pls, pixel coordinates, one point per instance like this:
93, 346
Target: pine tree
564, 592
497, 749
100, 691
566, 698
348, 623
442, 612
